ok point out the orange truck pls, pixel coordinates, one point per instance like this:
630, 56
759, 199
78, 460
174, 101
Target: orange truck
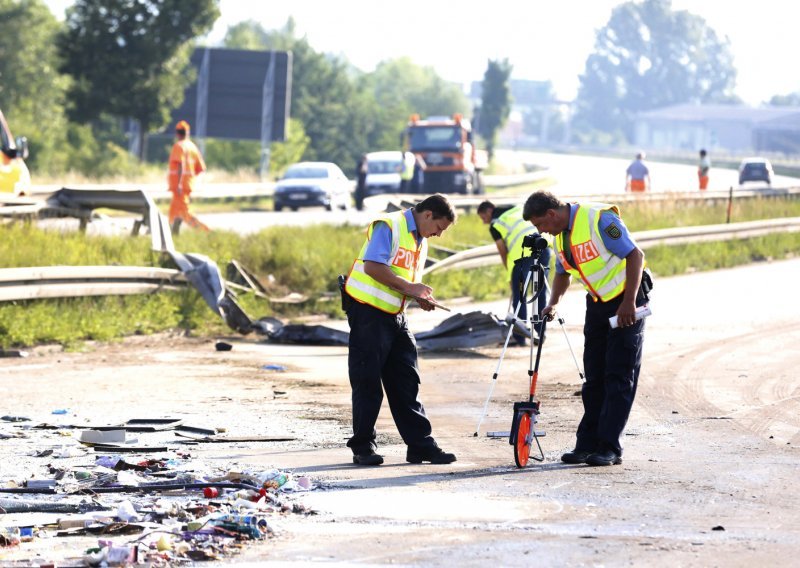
14, 175
452, 164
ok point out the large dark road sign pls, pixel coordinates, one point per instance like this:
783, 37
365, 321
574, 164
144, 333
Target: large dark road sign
231, 95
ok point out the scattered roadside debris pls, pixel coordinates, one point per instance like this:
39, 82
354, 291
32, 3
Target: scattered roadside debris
459, 331
308, 335
159, 505
462, 331
13, 353
229, 439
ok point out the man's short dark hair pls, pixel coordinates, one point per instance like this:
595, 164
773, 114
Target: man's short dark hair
439, 206
485, 206
538, 203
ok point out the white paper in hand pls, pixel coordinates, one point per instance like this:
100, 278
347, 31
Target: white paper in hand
641, 312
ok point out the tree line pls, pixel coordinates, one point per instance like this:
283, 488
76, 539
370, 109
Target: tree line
69, 87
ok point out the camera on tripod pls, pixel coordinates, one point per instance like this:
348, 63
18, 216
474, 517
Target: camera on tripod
536, 242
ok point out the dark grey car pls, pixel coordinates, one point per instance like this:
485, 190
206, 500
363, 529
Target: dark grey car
755, 169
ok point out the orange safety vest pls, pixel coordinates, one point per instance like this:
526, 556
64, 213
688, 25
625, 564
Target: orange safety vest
185, 164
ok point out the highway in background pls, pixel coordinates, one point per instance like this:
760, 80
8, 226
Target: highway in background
590, 175
574, 176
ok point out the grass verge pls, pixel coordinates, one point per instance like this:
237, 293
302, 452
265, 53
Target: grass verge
307, 260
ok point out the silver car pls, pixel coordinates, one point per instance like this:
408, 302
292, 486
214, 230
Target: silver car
313, 184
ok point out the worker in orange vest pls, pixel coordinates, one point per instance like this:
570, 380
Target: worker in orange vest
702, 169
185, 164
637, 176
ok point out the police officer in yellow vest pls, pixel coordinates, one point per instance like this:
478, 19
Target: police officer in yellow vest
508, 229
593, 244
407, 172
386, 273
14, 175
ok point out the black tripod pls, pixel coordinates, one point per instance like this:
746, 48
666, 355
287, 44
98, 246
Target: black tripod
532, 282
525, 415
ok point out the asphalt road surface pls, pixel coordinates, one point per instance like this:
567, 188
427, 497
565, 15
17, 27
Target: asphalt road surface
589, 175
711, 449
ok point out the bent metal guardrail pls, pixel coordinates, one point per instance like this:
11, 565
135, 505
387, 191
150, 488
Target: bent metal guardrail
33, 283
486, 255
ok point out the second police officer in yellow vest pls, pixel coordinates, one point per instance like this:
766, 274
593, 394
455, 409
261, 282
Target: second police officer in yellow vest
593, 245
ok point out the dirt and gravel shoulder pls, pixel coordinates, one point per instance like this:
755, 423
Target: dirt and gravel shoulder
711, 450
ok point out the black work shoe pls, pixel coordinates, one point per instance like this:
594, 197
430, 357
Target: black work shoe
604, 458
368, 459
433, 455
576, 456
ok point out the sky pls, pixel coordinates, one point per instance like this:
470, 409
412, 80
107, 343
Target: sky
543, 40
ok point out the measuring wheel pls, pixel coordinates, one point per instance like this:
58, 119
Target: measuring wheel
522, 443
522, 433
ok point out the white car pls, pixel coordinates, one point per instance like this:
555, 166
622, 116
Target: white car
313, 184
383, 172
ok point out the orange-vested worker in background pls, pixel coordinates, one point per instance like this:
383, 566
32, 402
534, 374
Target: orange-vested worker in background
637, 176
185, 164
702, 169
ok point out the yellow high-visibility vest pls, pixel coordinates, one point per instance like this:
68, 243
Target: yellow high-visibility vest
601, 271
407, 260
409, 160
513, 228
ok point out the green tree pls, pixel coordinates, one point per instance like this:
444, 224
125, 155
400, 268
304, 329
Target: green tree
650, 56
495, 102
131, 57
291, 150
31, 89
400, 88
792, 99
401, 84
321, 91
248, 34
344, 112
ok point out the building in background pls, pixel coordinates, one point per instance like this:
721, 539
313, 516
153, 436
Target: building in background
732, 128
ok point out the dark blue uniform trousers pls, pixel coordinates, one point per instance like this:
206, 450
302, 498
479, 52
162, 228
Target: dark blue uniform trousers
383, 350
611, 360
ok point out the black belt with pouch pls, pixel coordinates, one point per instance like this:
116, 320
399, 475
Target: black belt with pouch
647, 283
347, 301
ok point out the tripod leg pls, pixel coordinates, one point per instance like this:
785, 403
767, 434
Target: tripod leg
580, 373
499, 364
